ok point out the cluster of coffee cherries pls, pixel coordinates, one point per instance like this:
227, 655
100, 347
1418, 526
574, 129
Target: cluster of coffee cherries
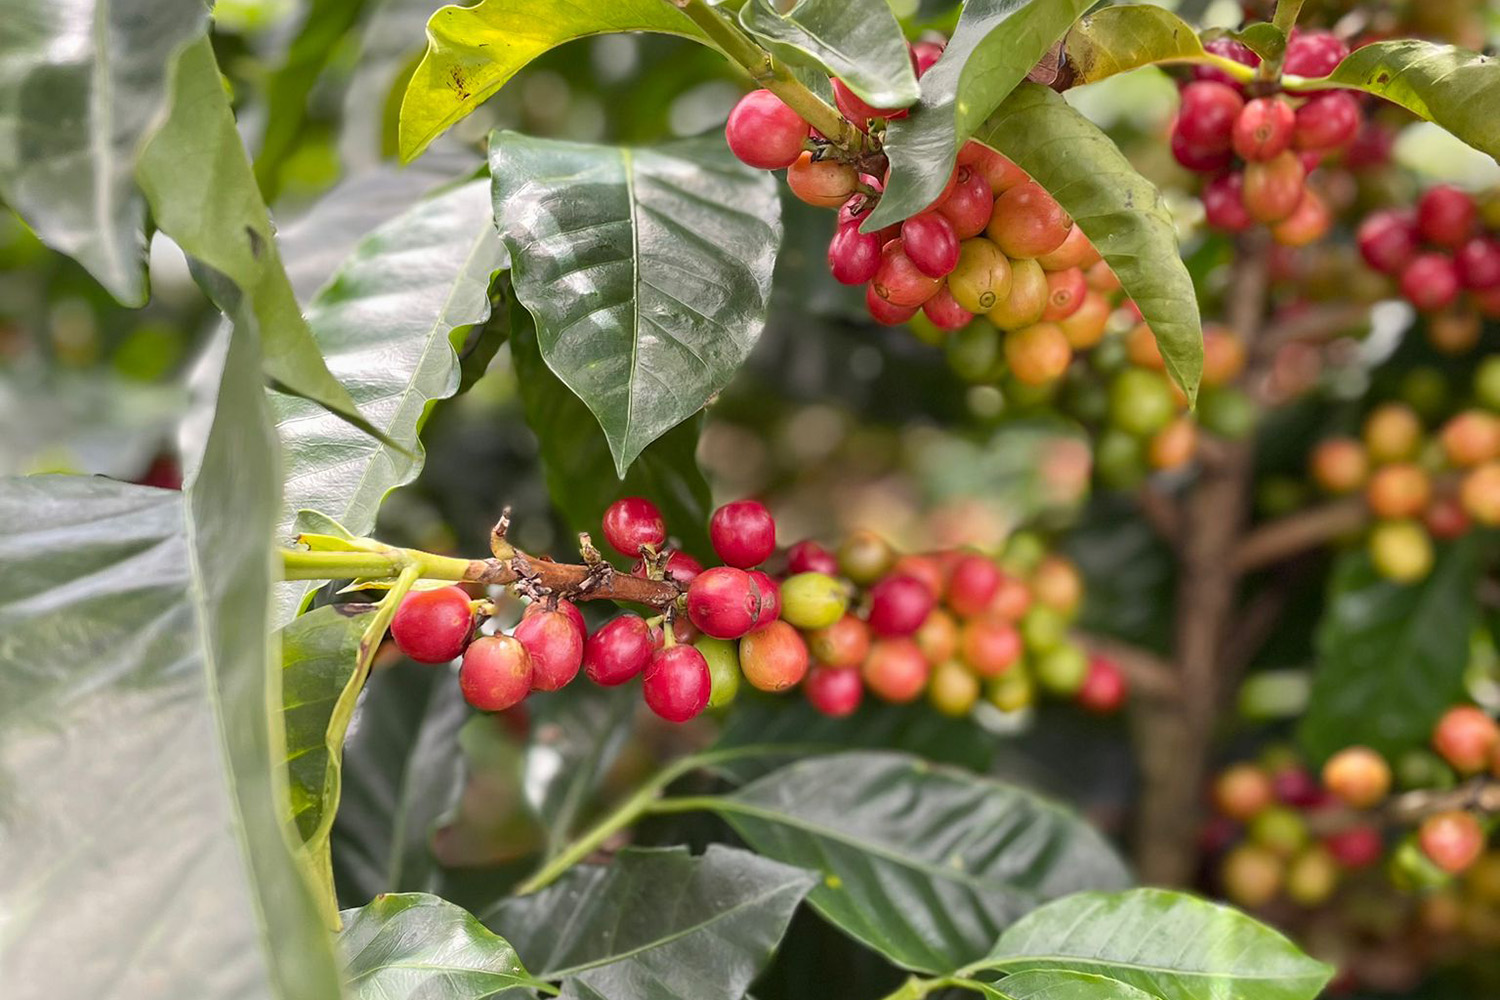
1296, 836
1445, 259
1417, 490
1260, 149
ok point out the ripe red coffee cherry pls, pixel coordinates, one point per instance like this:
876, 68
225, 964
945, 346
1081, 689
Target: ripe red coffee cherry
743, 533
895, 670
1224, 203
1012, 600
568, 608
677, 683
495, 673
945, 312
433, 626
765, 133
1027, 299
1086, 327
1340, 465
1105, 688
1198, 159
1357, 847
1273, 187
990, 646
1446, 216
1466, 737
925, 568
1075, 251
924, 55
1480, 494
618, 651
1264, 129
899, 281
1446, 520
899, 603
1399, 490
723, 602
1454, 840
930, 241
770, 597
1388, 240
1357, 776
1228, 48
1478, 263
884, 312
1038, 354
1208, 114
824, 183
1242, 791
999, 172
834, 691
967, 208
1028, 222
982, 278
853, 256
773, 657
556, 648
1065, 292
680, 568
1430, 281
808, 556
1313, 53
1327, 121
1308, 223
972, 585
856, 110
843, 644
938, 637
632, 522
1471, 438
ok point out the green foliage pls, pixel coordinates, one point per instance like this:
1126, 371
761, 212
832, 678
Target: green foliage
648, 272
995, 45
1065, 984
575, 737
1391, 657
1169, 944
1126, 37
857, 41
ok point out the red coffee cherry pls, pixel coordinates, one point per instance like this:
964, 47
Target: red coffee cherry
1273, 187
1398, 490
1208, 113
895, 670
743, 533
765, 133
1430, 281
1313, 53
1224, 203
1446, 216
824, 183
1065, 292
1264, 129
555, 646
632, 522
853, 256
834, 691
899, 281
1471, 438
1357, 847
924, 568
845, 643
1228, 48
1105, 688
945, 312
809, 557
677, 683
998, 171
724, 602
567, 608
930, 241
1466, 737
972, 585
938, 637
773, 657
433, 626
1012, 600
1327, 121
495, 673
770, 597
1340, 465
924, 55
1357, 776
1478, 263
1242, 791
1388, 240
618, 651
898, 605
990, 646
1454, 840
856, 110
886, 313
680, 568
1308, 223
1037, 354
1028, 222
1446, 520
1198, 159
1086, 327
968, 207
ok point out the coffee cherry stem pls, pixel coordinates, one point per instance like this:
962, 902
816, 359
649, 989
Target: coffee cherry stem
1480, 796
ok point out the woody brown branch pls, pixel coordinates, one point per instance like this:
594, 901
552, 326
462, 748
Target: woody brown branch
573, 582
1481, 795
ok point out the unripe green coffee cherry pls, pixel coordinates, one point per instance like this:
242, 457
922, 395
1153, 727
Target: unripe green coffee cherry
1280, 830
813, 600
1061, 671
723, 658
1013, 690
1043, 630
1141, 402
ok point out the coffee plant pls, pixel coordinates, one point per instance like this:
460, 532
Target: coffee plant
555, 558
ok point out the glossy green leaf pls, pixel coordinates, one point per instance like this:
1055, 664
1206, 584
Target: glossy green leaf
82, 83
925, 864
576, 457
318, 655
858, 41
403, 772
1453, 87
1391, 657
648, 271
1126, 37
386, 322
656, 924
1175, 946
1264, 39
197, 179
142, 802
1119, 210
412, 946
576, 734
473, 51
995, 45
1065, 984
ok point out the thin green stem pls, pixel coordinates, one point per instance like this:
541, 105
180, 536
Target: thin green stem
1285, 17
375, 564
